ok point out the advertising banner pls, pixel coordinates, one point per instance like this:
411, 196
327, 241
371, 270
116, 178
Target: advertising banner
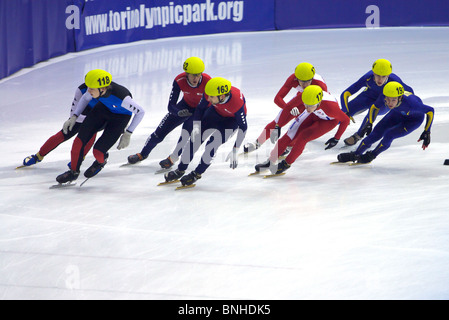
105, 22
32, 31
297, 14
36, 30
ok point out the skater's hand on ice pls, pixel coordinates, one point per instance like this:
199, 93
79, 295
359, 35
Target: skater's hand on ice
332, 142
425, 138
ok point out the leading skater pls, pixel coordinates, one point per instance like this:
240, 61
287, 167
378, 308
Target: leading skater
373, 82
406, 114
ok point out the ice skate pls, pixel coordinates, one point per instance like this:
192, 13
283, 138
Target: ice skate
173, 175
347, 157
366, 158
134, 158
67, 176
352, 140
166, 163
263, 165
190, 178
94, 169
281, 167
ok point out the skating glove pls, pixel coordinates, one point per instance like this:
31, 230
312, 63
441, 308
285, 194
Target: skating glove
124, 140
332, 142
294, 112
233, 158
184, 113
275, 134
68, 125
425, 137
196, 132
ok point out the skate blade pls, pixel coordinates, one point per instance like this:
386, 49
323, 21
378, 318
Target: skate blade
358, 164
63, 185
186, 187
273, 175
84, 182
254, 173
22, 166
167, 182
340, 163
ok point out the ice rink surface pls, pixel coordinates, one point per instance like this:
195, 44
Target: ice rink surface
379, 231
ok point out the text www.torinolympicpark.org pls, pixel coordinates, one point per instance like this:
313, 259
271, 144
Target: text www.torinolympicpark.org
143, 17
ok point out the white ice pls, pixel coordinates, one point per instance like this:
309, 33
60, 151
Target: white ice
379, 231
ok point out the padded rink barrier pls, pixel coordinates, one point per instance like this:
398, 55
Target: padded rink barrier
35, 31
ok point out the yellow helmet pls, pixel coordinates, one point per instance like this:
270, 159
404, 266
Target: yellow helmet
304, 71
393, 89
312, 95
217, 86
382, 67
98, 78
193, 65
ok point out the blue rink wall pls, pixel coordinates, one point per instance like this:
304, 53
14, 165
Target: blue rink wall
36, 30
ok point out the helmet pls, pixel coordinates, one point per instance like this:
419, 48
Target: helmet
312, 95
393, 89
98, 78
382, 67
304, 71
217, 86
193, 65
